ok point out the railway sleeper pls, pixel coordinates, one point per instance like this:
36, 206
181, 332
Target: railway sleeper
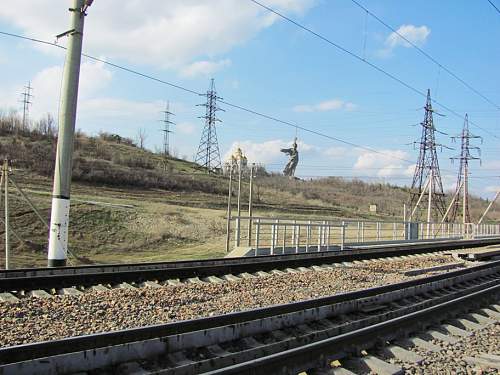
281, 332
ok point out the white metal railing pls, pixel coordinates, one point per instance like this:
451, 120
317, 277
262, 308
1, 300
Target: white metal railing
298, 235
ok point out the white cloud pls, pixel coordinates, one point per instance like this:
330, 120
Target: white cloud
186, 128
115, 108
335, 152
266, 152
415, 34
328, 105
204, 68
384, 163
94, 76
169, 34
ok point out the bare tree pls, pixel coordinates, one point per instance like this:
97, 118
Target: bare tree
141, 137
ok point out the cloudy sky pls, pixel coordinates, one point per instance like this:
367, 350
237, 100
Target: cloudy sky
266, 64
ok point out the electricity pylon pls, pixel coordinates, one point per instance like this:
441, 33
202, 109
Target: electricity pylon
166, 130
427, 176
208, 155
26, 100
463, 174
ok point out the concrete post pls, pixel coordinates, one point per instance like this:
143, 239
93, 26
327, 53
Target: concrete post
257, 235
229, 196
238, 219
342, 236
250, 203
59, 220
5, 177
284, 238
297, 241
429, 205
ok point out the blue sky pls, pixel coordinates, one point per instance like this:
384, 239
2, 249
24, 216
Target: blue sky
269, 65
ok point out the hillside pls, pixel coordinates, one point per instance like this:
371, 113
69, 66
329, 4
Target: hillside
127, 205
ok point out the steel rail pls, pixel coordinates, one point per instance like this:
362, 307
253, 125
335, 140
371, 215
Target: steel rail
309, 355
91, 342
373, 248
46, 278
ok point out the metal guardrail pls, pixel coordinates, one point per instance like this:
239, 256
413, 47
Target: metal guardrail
300, 235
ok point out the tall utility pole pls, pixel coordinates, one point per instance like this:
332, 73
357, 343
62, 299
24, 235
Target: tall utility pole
208, 155
428, 166
59, 219
463, 174
250, 204
5, 180
166, 130
229, 207
26, 100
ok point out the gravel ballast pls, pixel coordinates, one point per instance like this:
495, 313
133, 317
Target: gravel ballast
39, 319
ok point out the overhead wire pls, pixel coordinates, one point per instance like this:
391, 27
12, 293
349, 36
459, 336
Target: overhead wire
374, 66
248, 110
494, 6
427, 55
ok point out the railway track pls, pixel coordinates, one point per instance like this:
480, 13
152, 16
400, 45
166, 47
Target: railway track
299, 337
73, 280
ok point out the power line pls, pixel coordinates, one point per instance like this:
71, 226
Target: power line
426, 54
494, 6
147, 76
376, 67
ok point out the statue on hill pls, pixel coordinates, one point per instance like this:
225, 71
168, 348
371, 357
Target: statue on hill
293, 161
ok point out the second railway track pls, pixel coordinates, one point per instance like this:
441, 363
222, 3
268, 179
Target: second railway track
22, 281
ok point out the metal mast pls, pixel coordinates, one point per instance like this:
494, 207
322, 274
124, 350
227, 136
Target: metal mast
428, 166
463, 173
208, 155
26, 100
166, 130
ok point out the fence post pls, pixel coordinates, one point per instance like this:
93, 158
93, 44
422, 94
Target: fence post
257, 235
297, 242
284, 238
320, 234
342, 236
273, 237
378, 231
394, 231
308, 235
328, 236
362, 231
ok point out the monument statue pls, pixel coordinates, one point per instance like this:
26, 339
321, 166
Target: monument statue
293, 161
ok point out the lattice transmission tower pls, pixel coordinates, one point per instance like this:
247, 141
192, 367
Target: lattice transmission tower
463, 174
427, 185
208, 155
26, 101
166, 129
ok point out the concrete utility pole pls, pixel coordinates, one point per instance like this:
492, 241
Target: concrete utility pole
5, 177
59, 220
228, 219
429, 204
250, 204
238, 220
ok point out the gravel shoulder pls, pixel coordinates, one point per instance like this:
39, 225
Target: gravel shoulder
35, 319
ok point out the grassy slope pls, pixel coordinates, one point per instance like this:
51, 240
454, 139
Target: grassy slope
179, 224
